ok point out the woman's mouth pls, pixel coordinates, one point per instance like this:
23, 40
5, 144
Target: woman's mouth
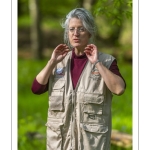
76, 40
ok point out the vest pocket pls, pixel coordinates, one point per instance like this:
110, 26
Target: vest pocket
92, 108
57, 96
93, 98
54, 135
94, 136
56, 101
58, 84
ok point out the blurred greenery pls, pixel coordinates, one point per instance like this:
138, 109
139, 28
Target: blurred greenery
32, 109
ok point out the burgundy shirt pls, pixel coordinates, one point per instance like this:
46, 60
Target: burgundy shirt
77, 65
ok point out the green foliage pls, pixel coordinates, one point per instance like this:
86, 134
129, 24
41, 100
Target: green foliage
122, 105
28, 103
48, 8
114, 10
24, 21
23, 8
31, 133
31, 116
114, 147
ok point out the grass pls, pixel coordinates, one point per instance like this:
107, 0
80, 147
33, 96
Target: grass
122, 105
28, 103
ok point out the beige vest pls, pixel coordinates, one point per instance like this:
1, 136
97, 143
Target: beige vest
79, 119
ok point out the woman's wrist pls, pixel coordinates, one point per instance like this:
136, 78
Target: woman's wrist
97, 61
52, 62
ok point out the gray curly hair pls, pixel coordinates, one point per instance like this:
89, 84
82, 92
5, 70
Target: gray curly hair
87, 20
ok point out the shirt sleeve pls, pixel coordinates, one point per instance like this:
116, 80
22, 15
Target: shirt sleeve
38, 88
114, 68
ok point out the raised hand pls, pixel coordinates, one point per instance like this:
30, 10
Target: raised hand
59, 53
91, 52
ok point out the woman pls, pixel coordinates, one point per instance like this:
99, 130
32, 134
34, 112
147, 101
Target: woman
80, 81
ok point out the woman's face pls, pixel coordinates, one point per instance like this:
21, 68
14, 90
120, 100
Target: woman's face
78, 35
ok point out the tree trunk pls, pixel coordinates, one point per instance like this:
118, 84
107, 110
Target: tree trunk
36, 33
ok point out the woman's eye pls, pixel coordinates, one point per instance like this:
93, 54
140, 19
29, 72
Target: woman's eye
71, 29
81, 30
78, 30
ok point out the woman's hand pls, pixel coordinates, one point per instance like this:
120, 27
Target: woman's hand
59, 53
91, 53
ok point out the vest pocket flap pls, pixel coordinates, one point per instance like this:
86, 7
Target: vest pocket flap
92, 109
94, 128
54, 124
56, 100
93, 98
57, 93
58, 84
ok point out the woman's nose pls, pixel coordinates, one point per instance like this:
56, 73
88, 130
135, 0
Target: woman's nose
76, 32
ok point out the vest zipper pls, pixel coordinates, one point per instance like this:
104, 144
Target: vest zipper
73, 108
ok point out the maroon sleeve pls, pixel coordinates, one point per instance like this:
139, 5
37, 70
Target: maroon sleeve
38, 88
114, 68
